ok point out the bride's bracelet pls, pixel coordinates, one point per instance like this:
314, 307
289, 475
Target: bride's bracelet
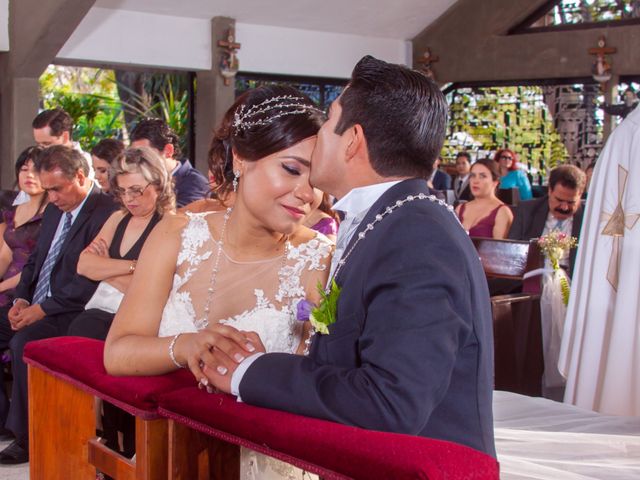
172, 355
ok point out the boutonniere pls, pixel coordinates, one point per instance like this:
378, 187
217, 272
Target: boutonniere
324, 314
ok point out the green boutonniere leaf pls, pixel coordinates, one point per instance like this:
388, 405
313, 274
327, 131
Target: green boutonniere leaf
325, 314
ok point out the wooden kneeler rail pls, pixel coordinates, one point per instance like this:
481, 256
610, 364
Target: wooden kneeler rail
62, 436
184, 433
66, 374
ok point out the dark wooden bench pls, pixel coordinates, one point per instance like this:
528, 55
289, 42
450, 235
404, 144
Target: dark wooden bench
517, 331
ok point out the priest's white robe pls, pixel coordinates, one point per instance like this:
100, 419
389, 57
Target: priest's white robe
600, 352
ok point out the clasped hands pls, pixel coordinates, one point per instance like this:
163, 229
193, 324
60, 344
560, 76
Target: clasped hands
23, 314
214, 353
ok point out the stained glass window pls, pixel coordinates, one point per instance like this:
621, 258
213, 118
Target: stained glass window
562, 13
320, 90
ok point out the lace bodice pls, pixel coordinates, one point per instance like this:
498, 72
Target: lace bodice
258, 296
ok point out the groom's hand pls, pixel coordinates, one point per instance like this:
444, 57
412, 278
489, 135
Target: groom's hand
197, 349
221, 372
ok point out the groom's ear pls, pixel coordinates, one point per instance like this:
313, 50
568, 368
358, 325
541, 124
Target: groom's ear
357, 144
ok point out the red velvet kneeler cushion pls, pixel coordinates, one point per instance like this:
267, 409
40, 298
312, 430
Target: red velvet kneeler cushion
79, 362
329, 449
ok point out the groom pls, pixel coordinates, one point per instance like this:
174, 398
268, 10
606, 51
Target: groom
411, 350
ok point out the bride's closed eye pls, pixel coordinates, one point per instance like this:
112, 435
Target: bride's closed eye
291, 169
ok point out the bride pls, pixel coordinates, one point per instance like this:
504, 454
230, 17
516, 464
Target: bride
245, 266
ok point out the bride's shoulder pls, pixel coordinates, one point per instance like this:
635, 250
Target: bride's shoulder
306, 242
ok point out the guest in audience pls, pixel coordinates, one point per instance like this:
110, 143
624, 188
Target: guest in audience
22, 227
143, 186
103, 155
461, 187
485, 215
560, 210
55, 127
189, 184
439, 180
510, 175
322, 218
50, 293
245, 267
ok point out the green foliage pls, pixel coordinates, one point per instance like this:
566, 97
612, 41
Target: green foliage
91, 97
483, 120
94, 116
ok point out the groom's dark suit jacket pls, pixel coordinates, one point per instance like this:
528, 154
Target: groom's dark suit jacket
412, 348
69, 291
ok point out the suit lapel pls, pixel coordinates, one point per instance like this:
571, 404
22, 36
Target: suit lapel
397, 192
83, 215
539, 219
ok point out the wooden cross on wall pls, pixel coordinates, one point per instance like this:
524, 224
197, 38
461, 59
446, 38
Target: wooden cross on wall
602, 67
427, 62
229, 65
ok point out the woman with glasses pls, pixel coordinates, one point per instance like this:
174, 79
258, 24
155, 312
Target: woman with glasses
141, 183
510, 175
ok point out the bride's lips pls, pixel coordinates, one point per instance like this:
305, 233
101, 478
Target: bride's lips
294, 212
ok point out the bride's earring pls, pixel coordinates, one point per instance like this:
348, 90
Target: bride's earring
236, 176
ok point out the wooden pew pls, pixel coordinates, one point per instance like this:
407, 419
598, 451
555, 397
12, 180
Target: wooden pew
204, 431
518, 357
66, 374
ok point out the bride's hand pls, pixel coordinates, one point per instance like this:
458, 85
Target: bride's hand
219, 373
196, 349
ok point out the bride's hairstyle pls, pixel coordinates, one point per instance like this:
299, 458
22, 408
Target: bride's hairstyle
261, 122
151, 166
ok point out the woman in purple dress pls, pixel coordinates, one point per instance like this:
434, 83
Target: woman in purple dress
22, 225
485, 215
322, 218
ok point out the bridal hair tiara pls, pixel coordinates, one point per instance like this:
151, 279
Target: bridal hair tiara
269, 110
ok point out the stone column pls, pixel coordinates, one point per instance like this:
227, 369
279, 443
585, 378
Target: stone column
37, 31
18, 107
213, 97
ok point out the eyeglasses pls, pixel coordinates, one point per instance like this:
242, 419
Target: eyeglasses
505, 157
133, 192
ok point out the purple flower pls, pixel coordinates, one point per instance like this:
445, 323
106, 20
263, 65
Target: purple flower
303, 310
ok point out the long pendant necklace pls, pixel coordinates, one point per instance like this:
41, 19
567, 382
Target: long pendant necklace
216, 266
369, 228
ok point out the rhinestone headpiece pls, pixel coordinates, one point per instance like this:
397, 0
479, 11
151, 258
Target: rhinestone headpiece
267, 111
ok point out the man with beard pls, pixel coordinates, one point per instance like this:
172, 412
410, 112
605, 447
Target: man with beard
560, 210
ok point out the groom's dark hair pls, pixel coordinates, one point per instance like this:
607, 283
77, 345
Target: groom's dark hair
403, 115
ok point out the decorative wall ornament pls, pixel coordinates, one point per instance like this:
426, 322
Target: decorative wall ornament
601, 70
229, 64
427, 61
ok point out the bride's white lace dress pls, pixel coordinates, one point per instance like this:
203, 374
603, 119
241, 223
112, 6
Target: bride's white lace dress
259, 296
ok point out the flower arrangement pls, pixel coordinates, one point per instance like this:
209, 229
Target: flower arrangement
554, 245
323, 315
